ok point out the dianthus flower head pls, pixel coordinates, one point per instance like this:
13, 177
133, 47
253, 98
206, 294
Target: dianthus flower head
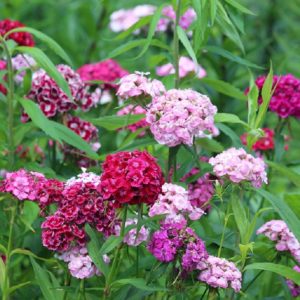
79, 262
132, 238
219, 273
107, 71
180, 115
20, 63
2, 67
264, 143
139, 85
294, 287
285, 100
278, 232
240, 166
131, 177
134, 110
21, 38
174, 201
186, 67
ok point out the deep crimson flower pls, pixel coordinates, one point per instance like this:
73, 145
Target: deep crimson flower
264, 143
21, 38
107, 71
2, 67
131, 177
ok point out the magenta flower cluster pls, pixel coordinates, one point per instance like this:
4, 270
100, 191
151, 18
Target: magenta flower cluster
178, 116
139, 85
285, 100
219, 273
174, 201
293, 287
277, 231
240, 166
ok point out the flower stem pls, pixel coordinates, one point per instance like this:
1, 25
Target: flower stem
176, 45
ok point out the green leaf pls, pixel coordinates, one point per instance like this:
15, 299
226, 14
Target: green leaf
45, 63
18, 286
225, 88
138, 283
30, 254
111, 243
286, 172
236, 141
240, 7
278, 269
284, 211
230, 56
94, 249
53, 45
30, 213
252, 103
55, 130
292, 201
115, 122
152, 29
213, 10
186, 43
229, 118
210, 145
2, 273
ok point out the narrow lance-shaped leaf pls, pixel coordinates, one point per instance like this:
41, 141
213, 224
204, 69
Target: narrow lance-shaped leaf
229, 118
240, 7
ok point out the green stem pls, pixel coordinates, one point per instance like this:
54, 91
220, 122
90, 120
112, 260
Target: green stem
212, 295
176, 45
10, 106
224, 229
139, 225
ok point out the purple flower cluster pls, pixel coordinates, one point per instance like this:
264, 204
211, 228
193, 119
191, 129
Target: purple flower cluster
178, 116
137, 84
79, 262
219, 273
174, 201
277, 231
239, 166
294, 288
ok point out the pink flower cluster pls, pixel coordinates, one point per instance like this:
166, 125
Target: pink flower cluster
200, 191
137, 84
79, 262
21, 38
107, 71
123, 19
174, 201
186, 67
132, 238
294, 288
219, 273
52, 100
81, 204
20, 63
2, 67
131, 177
134, 110
240, 166
180, 115
277, 231
285, 101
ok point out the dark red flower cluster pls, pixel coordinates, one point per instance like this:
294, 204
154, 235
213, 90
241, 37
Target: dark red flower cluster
107, 71
21, 38
82, 204
52, 100
264, 143
286, 98
131, 177
2, 67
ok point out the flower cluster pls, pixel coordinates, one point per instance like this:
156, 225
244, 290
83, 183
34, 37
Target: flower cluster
174, 201
20, 63
52, 100
277, 231
81, 204
134, 110
285, 100
21, 38
219, 273
131, 177
294, 288
137, 84
186, 67
239, 166
79, 262
264, 143
107, 71
2, 67
180, 115
132, 238
123, 19
200, 191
